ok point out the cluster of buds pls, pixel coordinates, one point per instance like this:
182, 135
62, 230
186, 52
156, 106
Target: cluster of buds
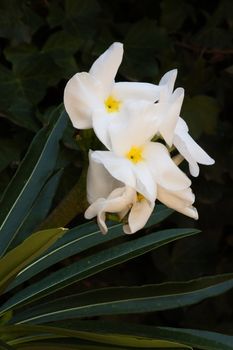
139, 124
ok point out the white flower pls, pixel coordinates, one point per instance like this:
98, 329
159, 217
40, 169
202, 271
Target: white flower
189, 149
94, 99
107, 195
180, 201
173, 128
167, 110
134, 160
122, 201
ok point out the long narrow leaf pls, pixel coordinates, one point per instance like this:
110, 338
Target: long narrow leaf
29, 179
127, 300
80, 239
93, 264
58, 346
199, 339
17, 334
122, 334
16, 259
38, 210
79, 345
5, 346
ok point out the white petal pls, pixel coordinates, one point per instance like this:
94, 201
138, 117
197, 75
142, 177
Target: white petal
105, 67
99, 182
170, 115
134, 126
118, 167
94, 208
169, 80
180, 201
101, 222
181, 126
189, 149
145, 183
118, 201
101, 121
82, 95
136, 91
165, 172
183, 150
138, 216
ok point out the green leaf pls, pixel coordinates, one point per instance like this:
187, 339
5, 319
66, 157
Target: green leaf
81, 8
81, 345
29, 179
5, 318
17, 21
145, 34
39, 209
9, 152
198, 338
15, 105
59, 346
127, 300
19, 94
61, 47
55, 14
126, 334
5, 346
174, 14
143, 40
22, 112
80, 239
30, 65
190, 337
93, 264
96, 335
16, 259
81, 18
201, 114
11, 23
61, 43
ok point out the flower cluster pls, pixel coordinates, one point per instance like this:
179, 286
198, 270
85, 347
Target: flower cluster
139, 124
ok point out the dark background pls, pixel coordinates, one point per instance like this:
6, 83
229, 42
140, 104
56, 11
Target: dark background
43, 43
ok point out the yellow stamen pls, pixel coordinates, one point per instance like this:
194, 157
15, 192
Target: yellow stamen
135, 154
112, 105
140, 197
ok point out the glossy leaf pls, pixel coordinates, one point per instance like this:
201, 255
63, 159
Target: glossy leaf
93, 264
199, 339
74, 345
17, 334
127, 300
29, 179
126, 334
80, 239
39, 209
16, 259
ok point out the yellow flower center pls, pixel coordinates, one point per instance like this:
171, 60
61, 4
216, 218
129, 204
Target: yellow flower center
112, 105
140, 197
135, 154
